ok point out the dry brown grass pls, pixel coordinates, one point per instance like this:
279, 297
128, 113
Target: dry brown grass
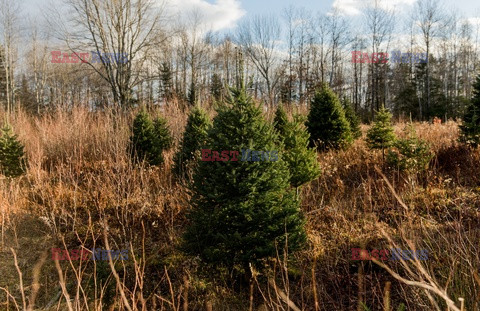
82, 191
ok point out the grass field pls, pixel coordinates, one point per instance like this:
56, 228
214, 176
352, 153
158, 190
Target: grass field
81, 191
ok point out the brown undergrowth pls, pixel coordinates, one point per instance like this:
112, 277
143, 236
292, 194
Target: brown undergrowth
81, 191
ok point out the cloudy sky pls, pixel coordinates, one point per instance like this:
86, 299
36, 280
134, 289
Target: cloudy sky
225, 14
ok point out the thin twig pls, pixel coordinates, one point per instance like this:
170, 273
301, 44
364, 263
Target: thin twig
24, 301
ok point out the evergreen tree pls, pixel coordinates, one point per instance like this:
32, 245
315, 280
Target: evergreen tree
287, 89
410, 153
12, 156
327, 124
302, 160
242, 212
166, 81
216, 88
194, 137
27, 98
470, 128
280, 121
352, 118
192, 95
406, 101
141, 140
163, 137
149, 139
381, 134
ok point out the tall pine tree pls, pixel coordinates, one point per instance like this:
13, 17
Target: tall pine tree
166, 87
326, 123
242, 212
216, 88
470, 128
192, 94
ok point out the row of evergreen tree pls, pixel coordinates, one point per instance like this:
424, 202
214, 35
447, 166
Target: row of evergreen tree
242, 213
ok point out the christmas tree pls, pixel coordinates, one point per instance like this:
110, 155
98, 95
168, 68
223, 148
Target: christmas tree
194, 137
302, 160
280, 121
326, 123
242, 212
381, 134
149, 139
12, 156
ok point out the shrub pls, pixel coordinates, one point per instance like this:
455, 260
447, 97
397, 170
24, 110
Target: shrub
410, 154
327, 124
242, 212
12, 155
194, 137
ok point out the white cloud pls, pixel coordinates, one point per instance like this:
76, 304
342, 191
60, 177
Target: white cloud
222, 14
354, 7
347, 7
474, 21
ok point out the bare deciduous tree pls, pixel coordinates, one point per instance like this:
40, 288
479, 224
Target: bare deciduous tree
429, 15
123, 30
9, 17
259, 37
380, 24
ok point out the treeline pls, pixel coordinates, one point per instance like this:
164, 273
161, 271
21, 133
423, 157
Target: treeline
286, 58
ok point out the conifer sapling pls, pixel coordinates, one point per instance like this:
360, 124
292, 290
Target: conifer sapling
381, 134
326, 123
410, 153
12, 155
149, 139
280, 121
302, 160
242, 212
193, 139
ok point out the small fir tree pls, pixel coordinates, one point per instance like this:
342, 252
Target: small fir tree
326, 123
12, 155
280, 121
163, 137
381, 134
142, 138
470, 128
352, 118
242, 212
410, 154
193, 139
302, 160
149, 139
